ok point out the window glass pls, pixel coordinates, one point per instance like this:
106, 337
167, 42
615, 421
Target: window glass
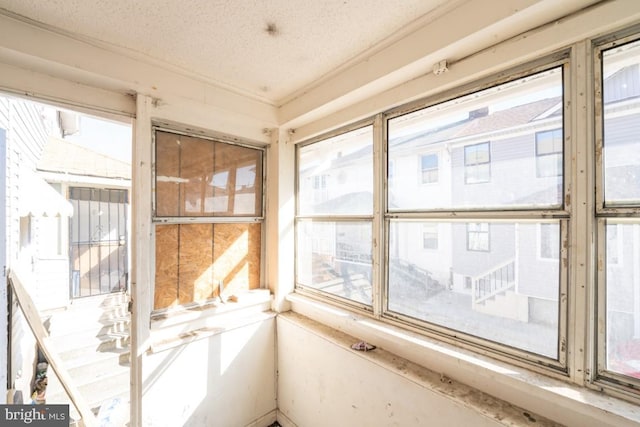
478, 238
549, 241
505, 294
335, 175
487, 146
477, 163
429, 163
623, 297
620, 93
549, 153
621, 181
197, 177
335, 257
430, 236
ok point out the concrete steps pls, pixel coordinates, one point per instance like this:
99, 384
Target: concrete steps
92, 338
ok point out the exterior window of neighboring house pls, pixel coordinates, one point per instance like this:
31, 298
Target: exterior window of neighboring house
430, 236
614, 243
429, 168
478, 236
320, 182
341, 266
208, 215
549, 153
549, 241
477, 163
618, 213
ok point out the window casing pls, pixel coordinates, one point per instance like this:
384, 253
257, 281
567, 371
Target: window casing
208, 217
617, 66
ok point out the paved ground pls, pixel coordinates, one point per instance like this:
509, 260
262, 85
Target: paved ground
453, 310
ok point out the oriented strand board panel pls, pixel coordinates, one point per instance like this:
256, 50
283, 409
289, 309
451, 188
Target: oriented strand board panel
195, 263
196, 171
236, 251
167, 174
166, 283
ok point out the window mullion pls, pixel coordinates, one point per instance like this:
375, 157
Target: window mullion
379, 206
578, 185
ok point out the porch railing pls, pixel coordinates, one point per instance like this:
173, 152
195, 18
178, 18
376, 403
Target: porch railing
495, 281
42, 338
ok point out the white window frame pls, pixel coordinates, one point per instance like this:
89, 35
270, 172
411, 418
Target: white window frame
345, 218
158, 314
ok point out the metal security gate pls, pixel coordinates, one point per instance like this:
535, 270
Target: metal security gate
98, 241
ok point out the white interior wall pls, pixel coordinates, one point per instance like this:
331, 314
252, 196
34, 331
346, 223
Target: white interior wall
227, 379
323, 382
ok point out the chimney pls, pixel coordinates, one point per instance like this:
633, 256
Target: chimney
480, 112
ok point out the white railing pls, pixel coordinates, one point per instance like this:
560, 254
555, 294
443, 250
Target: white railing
495, 281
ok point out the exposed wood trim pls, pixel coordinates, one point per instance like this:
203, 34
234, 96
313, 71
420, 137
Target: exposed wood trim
142, 261
44, 342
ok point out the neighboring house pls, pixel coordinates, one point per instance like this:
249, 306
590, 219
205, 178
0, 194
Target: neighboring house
98, 188
29, 203
46, 234
511, 157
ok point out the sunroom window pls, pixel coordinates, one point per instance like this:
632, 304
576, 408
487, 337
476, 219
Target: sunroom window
334, 232
618, 212
485, 283
208, 219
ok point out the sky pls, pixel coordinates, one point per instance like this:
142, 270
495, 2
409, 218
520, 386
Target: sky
104, 136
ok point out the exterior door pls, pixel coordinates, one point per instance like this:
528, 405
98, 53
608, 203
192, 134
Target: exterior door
98, 241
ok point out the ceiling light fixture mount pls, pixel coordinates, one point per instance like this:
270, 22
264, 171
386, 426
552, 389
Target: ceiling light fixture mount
271, 29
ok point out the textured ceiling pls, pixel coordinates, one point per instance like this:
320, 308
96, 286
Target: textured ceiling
268, 49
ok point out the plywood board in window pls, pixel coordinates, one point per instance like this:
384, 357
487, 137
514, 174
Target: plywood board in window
236, 251
196, 263
166, 283
167, 174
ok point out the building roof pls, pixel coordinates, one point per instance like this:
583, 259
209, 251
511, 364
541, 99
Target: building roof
475, 125
62, 156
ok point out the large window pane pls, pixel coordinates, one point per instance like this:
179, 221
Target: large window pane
621, 98
335, 257
623, 297
335, 176
507, 293
486, 147
197, 177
